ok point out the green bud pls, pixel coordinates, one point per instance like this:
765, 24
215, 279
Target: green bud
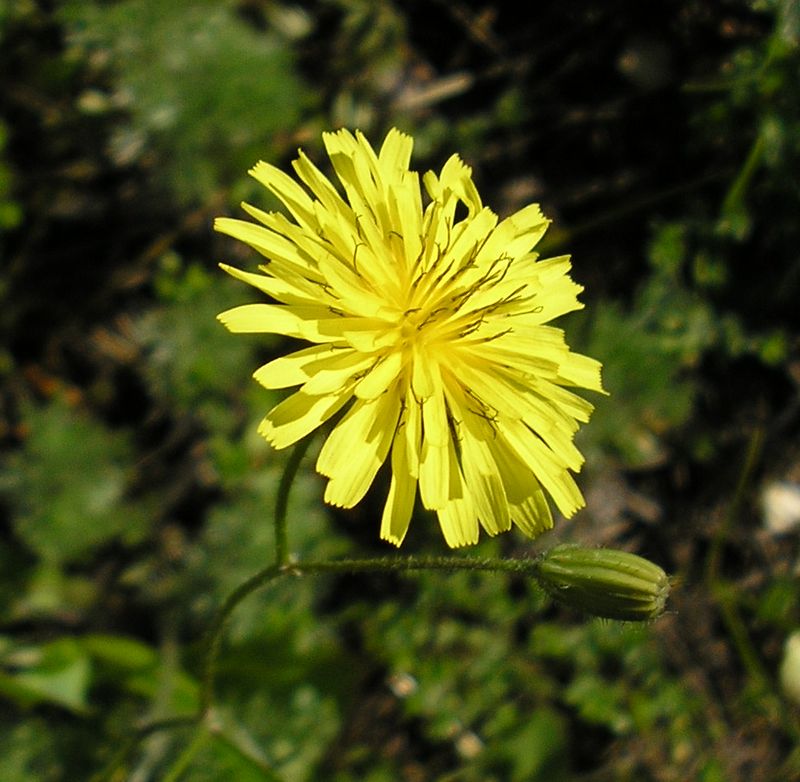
604, 582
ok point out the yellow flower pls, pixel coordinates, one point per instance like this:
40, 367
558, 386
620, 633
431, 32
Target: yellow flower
428, 331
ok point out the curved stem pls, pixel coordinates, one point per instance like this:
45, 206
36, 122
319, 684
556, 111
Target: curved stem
282, 500
214, 635
377, 564
213, 640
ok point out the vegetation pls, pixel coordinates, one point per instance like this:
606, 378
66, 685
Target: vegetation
663, 140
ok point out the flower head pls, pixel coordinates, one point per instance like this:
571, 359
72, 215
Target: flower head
428, 331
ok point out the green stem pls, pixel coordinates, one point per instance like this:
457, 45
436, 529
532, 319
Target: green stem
716, 584
269, 574
378, 564
282, 500
214, 635
201, 738
527, 567
530, 568
735, 195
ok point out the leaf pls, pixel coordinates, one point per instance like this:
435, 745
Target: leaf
120, 652
57, 673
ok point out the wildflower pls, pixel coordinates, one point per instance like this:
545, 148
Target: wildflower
429, 334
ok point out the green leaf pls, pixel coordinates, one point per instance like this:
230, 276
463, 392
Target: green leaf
120, 652
57, 673
538, 748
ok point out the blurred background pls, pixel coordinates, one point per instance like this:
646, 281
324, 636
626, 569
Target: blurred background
662, 138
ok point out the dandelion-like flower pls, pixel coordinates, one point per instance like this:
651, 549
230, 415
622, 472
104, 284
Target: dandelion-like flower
429, 336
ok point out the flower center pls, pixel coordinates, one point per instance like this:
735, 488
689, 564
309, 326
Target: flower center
417, 327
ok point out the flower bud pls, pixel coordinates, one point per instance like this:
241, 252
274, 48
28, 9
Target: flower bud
604, 582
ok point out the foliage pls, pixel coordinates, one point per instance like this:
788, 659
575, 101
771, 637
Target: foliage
161, 53
135, 494
67, 487
191, 381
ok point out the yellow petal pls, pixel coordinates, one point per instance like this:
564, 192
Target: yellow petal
294, 198
434, 419
402, 492
382, 374
334, 376
259, 318
406, 208
485, 485
320, 185
286, 254
300, 366
299, 415
528, 505
541, 460
357, 447
412, 431
395, 155
425, 377
304, 322
456, 178
459, 523
515, 235
323, 369
278, 289
351, 290
513, 399
434, 476
533, 515
582, 371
